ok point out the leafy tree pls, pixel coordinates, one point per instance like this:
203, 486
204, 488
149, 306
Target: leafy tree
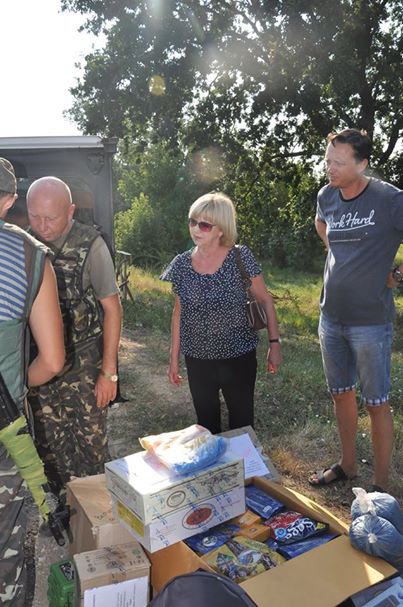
281, 73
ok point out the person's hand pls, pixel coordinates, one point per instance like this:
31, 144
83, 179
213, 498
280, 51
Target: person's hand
391, 283
105, 390
173, 375
274, 358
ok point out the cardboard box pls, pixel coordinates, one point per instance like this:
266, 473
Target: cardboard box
117, 576
184, 522
92, 524
151, 491
323, 577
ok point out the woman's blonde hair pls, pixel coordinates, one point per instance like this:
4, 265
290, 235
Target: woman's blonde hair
219, 209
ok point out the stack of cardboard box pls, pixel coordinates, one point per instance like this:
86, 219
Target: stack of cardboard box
160, 508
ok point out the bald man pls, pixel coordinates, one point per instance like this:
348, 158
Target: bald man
70, 411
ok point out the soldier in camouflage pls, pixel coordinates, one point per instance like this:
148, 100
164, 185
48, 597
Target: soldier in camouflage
27, 291
70, 411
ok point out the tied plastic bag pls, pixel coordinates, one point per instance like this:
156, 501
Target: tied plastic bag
380, 504
185, 451
377, 536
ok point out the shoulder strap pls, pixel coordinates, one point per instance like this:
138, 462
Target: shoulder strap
238, 259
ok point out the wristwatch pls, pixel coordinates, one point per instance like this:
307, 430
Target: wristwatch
112, 376
397, 274
277, 340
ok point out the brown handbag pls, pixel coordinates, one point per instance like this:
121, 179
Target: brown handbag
255, 311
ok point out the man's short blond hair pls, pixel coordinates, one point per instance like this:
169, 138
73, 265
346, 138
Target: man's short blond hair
219, 209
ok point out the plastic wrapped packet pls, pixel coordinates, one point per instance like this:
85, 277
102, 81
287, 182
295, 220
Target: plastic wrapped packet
381, 504
185, 451
213, 538
261, 503
292, 550
377, 536
240, 558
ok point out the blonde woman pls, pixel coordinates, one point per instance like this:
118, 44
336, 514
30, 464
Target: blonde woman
209, 322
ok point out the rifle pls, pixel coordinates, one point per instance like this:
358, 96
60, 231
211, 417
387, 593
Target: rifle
16, 438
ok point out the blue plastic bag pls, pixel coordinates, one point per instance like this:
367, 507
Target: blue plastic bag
381, 504
377, 536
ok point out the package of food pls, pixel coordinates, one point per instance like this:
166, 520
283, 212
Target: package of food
241, 557
257, 532
212, 538
281, 521
224, 561
247, 518
255, 553
298, 530
290, 551
261, 503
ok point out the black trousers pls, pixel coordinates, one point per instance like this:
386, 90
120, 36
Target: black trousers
235, 377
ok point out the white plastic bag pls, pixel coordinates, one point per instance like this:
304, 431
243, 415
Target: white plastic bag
185, 451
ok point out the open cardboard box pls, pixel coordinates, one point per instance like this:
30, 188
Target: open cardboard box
323, 577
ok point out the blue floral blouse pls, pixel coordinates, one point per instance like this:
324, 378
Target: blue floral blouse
213, 321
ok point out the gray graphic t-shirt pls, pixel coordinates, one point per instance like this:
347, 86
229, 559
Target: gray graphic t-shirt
364, 235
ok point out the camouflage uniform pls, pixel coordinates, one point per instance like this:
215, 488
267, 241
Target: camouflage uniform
13, 523
70, 430
13, 515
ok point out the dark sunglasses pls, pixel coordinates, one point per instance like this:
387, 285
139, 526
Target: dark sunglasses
204, 226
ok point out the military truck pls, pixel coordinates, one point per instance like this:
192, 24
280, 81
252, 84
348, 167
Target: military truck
83, 162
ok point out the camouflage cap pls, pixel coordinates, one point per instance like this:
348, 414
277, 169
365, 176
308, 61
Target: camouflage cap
8, 182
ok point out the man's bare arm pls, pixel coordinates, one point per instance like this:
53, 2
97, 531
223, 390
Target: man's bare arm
105, 389
46, 325
321, 230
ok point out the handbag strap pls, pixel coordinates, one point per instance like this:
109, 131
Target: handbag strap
245, 278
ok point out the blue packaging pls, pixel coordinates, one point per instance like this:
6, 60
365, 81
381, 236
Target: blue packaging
293, 550
261, 503
377, 536
381, 504
212, 538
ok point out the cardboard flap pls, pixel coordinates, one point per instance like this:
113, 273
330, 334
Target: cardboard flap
327, 575
94, 497
165, 563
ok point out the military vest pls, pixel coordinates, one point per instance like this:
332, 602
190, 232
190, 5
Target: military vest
81, 311
14, 339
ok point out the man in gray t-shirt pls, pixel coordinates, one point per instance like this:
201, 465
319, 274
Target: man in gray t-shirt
360, 220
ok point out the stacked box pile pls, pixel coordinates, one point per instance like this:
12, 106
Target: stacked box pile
114, 576
160, 508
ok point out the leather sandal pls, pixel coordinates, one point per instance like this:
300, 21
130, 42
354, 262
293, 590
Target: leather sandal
321, 481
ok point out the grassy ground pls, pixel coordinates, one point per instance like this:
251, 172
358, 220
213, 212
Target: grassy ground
294, 415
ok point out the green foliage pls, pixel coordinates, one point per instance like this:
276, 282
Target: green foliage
280, 75
156, 187
237, 96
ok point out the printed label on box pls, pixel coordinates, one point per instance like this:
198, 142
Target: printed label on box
195, 518
140, 484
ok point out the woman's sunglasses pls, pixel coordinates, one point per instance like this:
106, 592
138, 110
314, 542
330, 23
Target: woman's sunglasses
204, 226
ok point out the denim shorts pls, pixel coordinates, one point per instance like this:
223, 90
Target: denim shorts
352, 354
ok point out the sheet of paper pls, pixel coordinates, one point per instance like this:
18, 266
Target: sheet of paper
243, 447
132, 593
